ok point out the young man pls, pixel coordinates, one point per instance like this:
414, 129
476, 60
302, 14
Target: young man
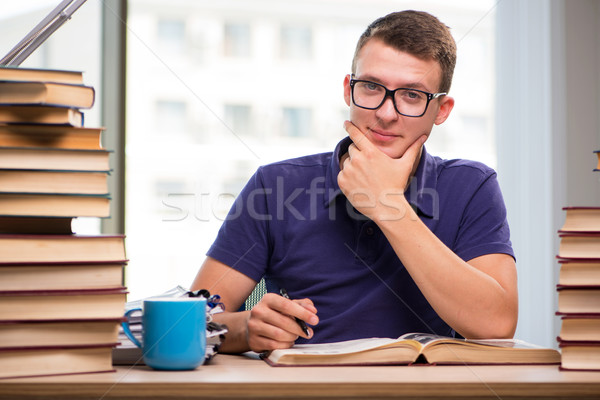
378, 238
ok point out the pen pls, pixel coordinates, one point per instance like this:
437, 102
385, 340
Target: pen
302, 324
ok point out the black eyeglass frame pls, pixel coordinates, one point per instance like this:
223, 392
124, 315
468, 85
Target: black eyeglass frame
391, 94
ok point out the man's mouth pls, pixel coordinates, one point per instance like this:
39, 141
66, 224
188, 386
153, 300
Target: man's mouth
383, 135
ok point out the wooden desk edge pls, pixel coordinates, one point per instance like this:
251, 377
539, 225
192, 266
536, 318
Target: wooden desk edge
148, 390
235, 377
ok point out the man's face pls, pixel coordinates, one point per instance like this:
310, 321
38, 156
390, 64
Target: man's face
391, 132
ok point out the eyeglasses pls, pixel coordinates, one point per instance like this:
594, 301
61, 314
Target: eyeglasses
408, 102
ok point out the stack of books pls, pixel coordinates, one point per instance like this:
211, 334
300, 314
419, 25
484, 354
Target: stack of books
579, 289
61, 293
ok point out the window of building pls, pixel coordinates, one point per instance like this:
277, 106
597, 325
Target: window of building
238, 118
297, 121
171, 34
171, 116
296, 43
237, 40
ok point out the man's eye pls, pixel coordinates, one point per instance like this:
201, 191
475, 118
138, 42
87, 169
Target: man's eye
412, 95
372, 86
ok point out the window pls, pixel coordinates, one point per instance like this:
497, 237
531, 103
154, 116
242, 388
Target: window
296, 122
171, 116
171, 34
237, 40
237, 117
296, 43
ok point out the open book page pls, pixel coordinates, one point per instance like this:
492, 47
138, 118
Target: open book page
425, 338
447, 350
349, 346
351, 352
507, 343
430, 339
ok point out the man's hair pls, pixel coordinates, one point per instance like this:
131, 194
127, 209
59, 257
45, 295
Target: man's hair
417, 33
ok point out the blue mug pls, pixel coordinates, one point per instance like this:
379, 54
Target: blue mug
173, 332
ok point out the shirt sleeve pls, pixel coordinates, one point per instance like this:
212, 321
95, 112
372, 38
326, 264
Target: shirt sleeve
484, 227
243, 240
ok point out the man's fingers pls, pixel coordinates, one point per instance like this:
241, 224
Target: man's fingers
414, 150
296, 310
264, 336
358, 138
272, 327
266, 321
352, 150
303, 309
308, 304
261, 343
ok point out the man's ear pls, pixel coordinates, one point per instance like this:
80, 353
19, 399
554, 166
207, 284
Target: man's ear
446, 106
347, 94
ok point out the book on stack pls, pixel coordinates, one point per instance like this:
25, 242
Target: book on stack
579, 289
61, 293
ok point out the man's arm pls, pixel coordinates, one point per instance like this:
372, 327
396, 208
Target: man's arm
269, 325
477, 298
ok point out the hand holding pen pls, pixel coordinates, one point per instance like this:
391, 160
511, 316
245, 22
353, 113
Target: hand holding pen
272, 323
301, 323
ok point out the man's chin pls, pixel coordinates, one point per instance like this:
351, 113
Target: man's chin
390, 151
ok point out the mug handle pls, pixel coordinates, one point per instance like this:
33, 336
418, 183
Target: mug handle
127, 331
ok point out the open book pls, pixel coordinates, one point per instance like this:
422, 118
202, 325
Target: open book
414, 348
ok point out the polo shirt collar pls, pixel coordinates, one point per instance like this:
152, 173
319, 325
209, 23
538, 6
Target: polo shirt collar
423, 185
418, 192
332, 189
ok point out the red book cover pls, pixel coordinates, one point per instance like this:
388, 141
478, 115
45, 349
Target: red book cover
579, 355
50, 361
63, 304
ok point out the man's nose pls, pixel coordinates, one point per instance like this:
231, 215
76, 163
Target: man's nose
387, 109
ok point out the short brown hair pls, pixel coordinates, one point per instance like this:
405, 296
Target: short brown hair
417, 33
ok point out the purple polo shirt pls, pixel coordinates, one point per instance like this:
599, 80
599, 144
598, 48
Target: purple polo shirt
292, 225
